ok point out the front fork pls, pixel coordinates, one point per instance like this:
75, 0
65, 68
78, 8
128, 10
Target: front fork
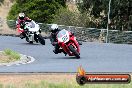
36, 36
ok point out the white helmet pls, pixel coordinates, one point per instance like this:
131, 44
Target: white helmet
21, 16
54, 26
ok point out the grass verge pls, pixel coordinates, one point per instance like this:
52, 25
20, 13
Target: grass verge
12, 54
9, 55
52, 81
45, 84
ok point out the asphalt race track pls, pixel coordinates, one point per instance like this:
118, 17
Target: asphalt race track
95, 57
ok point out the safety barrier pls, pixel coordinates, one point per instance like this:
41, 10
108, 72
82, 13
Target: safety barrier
89, 34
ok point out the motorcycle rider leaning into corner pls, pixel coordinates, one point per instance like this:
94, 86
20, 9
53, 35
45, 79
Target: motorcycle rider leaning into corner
54, 31
21, 19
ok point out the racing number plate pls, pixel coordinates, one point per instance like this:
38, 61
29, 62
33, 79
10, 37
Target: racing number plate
64, 38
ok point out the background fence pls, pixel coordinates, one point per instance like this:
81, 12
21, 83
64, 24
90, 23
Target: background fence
89, 34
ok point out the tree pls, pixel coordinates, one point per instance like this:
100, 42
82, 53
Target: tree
120, 9
1, 1
38, 10
73, 18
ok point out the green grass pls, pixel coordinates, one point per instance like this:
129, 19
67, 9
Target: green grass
1, 86
7, 86
12, 54
44, 84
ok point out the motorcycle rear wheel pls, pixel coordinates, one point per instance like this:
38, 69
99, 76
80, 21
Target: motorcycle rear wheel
72, 49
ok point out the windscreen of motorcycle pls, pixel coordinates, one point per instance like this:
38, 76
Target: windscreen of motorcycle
63, 36
32, 26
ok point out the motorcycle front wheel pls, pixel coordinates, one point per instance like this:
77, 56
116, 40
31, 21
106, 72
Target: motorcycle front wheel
41, 39
72, 49
27, 39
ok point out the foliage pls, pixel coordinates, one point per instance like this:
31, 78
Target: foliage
73, 18
65, 17
12, 54
71, 84
38, 10
1, 1
11, 24
120, 11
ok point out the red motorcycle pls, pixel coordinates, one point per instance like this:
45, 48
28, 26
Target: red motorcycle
67, 41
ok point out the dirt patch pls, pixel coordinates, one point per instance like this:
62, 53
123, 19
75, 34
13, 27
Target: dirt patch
18, 80
4, 10
5, 58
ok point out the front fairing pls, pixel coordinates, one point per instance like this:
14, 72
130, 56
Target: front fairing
71, 40
32, 27
32, 30
63, 36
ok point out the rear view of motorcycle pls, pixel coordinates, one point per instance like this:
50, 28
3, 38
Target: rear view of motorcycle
33, 33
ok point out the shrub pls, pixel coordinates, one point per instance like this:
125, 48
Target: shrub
12, 54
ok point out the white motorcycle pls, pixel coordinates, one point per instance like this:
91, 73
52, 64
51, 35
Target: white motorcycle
33, 33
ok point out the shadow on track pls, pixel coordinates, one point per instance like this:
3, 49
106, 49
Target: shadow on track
66, 57
29, 44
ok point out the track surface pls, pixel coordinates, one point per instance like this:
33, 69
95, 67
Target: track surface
95, 57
